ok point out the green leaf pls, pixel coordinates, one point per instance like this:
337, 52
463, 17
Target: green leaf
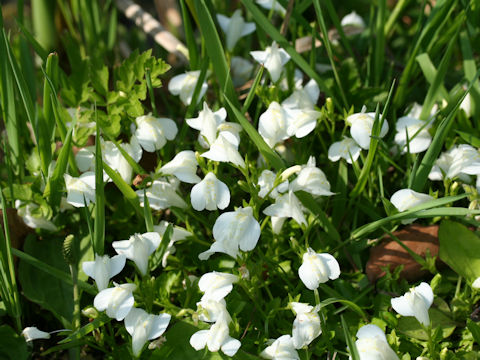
469, 138
38, 286
101, 320
309, 202
157, 257
459, 249
124, 188
12, 345
350, 342
421, 175
54, 188
215, 50
99, 224
53, 271
410, 326
474, 329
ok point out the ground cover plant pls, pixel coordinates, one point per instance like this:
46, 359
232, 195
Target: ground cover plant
246, 179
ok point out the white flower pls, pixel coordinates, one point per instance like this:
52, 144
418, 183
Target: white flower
415, 302
273, 58
177, 235
138, 248
183, 166
231, 132
266, 181
418, 140
114, 158
234, 230
354, 20
31, 218
272, 4
118, 301
476, 283
312, 180
216, 285
372, 344
273, 123
210, 310
103, 269
184, 85
406, 199
306, 326
297, 81
346, 148
302, 122
466, 105
241, 70
234, 28
287, 206
361, 128
32, 333
81, 190
143, 327
210, 194
224, 151
207, 123
304, 98
281, 349
460, 161
111, 155
216, 338
317, 269
465, 159
161, 195
85, 159
152, 133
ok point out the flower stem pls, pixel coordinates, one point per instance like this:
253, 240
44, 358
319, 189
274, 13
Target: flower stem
431, 344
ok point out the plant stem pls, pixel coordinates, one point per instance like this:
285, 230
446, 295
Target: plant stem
75, 352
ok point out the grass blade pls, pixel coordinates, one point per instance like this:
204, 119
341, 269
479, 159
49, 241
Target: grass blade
99, 225
434, 89
147, 213
270, 29
421, 175
11, 280
430, 73
124, 188
54, 188
377, 125
189, 37
352, 347
328, 47
251, 92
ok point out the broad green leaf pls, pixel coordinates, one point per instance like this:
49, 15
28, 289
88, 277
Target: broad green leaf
12, 345
460, 249
474, 329
410, 326
38, 286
